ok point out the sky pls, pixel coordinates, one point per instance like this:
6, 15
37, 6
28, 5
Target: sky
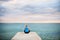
31, 10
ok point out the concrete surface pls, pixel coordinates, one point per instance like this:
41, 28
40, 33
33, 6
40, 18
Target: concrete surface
23, 36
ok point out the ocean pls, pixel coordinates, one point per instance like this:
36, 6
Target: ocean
47, 31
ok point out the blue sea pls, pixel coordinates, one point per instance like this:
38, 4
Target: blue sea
47, 31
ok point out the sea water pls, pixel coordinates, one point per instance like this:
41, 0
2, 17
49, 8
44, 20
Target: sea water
47, 31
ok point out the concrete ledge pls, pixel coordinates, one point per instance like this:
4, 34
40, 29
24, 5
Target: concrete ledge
23, 36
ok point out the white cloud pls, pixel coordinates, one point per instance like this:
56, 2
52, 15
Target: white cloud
37, 4
46, 9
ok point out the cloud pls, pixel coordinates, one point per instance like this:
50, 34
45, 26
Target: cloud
4, 0
39, 9
31, 18
16, 8
2, 10
31, 6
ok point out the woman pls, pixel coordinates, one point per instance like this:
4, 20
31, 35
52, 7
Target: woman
26, 30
